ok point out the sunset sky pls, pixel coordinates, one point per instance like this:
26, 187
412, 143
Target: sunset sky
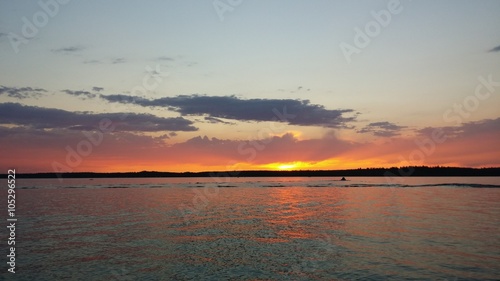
237, 84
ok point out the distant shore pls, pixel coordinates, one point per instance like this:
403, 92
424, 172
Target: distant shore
420, 171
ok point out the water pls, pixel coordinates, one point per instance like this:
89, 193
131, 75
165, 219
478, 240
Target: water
258, 229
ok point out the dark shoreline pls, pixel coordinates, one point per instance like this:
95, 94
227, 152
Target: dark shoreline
370, 172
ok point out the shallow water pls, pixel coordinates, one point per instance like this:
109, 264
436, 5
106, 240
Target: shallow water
258, 229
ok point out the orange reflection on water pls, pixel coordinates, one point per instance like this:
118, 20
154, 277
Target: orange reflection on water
298, 212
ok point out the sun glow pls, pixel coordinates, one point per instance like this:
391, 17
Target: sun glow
287, 166
333, 163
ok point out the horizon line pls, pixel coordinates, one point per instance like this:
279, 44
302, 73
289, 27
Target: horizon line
381, 171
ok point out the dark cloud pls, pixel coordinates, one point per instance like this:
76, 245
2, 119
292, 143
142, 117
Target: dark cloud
496, 49
51, 118
299, 89
481, 126
92, 61
118, 60
164, 58
469, 129
293, 112
106, 61
22, 131
163, 137
67, 50
21, 93
382, 129
80, 94
214, 120
2, 34
127, 99
84, 94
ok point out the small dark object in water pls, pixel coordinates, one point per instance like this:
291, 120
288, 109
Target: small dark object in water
342, 179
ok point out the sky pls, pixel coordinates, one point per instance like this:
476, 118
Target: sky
109, 86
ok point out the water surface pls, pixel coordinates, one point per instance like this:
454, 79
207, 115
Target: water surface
259, 229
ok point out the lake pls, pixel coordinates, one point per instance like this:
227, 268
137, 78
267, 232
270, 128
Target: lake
258, 229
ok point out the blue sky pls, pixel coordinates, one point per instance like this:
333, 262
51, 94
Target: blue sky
427, 58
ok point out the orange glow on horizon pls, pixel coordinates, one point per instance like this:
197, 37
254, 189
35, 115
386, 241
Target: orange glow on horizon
307, 155
286, 166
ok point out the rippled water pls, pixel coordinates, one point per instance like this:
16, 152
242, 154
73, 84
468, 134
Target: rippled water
258, 229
